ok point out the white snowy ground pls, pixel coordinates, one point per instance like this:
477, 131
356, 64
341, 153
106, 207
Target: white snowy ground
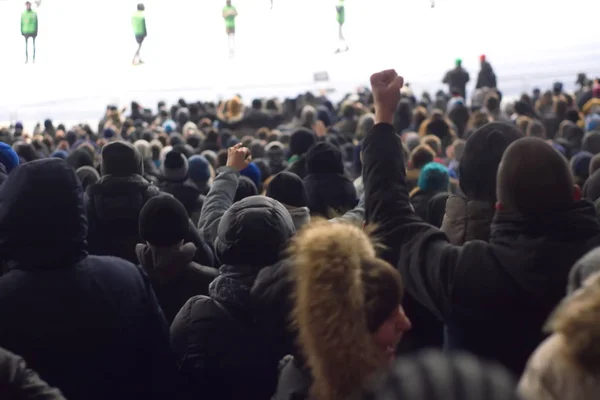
85, 49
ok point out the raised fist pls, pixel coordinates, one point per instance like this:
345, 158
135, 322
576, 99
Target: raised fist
238, 157
386, 87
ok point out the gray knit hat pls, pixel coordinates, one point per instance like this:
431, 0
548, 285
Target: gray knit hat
175, 167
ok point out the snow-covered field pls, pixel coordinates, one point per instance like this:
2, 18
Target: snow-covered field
85, 47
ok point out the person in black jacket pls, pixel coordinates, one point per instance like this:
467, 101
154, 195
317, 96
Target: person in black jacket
457, 79
88, 325
222, 350
300, 141
175, 181
18, 382
486, 76
115, 202
167, 259
494, 297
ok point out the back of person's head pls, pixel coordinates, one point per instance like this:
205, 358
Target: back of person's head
364, 125
257, 150
344, 294
308, 116
459, 149
433, 375
536, 129
523, 123
163, 221
576, 319
141, 7
591, 142
580, 166
301, 140
222, 158
121, 159
411, 140
421, 156
80, 158
257, 104
478, 119
8, 157
253, 232
481, 157
288, 189
26, 151
155, 148
434, 178
534, 179
175, 167
199, 169
324, 158
492, 102
245, 188
253, 173
433, 142
42, 209
594, 164
419, 115
143, 147
87, 176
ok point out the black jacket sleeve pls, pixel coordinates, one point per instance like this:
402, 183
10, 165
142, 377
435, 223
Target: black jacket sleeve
422, 253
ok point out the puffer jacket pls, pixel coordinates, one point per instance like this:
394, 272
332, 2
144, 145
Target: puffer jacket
220, 340
467, 220
188, 194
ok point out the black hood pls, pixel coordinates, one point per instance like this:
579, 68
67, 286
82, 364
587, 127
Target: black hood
330, 195
42, 216
254, 232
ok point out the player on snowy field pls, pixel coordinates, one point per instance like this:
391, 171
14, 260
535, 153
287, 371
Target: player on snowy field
29, 29
341, 18
229, 15
138, 21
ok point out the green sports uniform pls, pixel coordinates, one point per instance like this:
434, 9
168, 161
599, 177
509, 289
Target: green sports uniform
341, 13
138, 22
230, 19
29, 23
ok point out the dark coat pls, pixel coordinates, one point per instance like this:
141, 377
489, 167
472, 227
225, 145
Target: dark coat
486, 76
88, 325
188, 194
175, 278
330, 195
457, 78
113, 209
494, 297
17, 382
467, 220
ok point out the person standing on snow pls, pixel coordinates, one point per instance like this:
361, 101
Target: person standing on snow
457, 79
341, 18
29, 29
138, 21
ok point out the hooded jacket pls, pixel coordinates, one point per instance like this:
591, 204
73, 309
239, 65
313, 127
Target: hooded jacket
88, 325
467, 220
222, 349
494, 297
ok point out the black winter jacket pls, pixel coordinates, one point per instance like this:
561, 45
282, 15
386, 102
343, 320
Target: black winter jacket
494, 297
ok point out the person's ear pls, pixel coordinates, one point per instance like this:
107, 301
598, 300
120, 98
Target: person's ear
577, 193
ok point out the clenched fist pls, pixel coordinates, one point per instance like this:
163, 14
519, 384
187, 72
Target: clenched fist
238, 157
386, 87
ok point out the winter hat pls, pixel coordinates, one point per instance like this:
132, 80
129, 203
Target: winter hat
143, 147
257, 150
302, 140
163, 153
175, 167
433, 375
252, 172
108, 134
176, 139
288, 189
199, 169
80, 158
434, 178
592, 122
263, 167
324, 158
121, 159
481, 158
232, 141
580, 166
60, 154
169, 126
8, 157
87, 176
245, 188
591, 142
324, 115
211, 156
163, 221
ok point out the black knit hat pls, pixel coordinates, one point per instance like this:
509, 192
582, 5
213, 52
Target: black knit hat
324, 158
121, 159
302, 140
481, 158
288, 189
163, 221
175, 167
245, 188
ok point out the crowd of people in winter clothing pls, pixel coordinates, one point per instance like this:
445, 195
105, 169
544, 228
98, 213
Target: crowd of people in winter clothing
386, 247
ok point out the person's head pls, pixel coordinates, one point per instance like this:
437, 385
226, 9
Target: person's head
324, 158
245, 188
478, 119
433, 142
253, 232
42, 209
482, 59
141, 7
421, 156
163, 221
301, 140
492, 102
536, 129
253, 173
256, 104
434, 178
347, 307
288, 189
121, 159
523, 123
482, 154
591, 142
28, 5
364, 125
534, 179
175, 167
87, 176
228, 2
8, 157
200, 170
143, 147
458, 62
580, 166
594, 164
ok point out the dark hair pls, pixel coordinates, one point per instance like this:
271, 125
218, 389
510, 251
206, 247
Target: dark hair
421, 156
141, 7
222, 158
536, 129
383, 290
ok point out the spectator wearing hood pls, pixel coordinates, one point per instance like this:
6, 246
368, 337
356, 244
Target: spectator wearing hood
217, 339
300, 142
89, 325
176, 181
80, 157
330, 192
347, 338
17, 381
151, 172
87, 176
289, 190
469, 215
433, 179
115, 202
565, 366
486, 76
167, 259
482, 291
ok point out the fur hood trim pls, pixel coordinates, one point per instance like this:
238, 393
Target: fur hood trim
329, 307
